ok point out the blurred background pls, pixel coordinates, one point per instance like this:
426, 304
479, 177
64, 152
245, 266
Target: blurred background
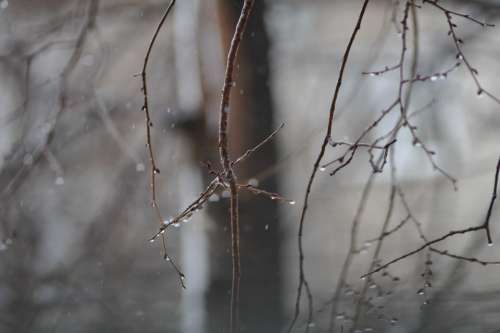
75, 211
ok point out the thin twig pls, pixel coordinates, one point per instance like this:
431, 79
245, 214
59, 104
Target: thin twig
457, 41
258, 146
470, 259
149, 124
492, 203
145, 107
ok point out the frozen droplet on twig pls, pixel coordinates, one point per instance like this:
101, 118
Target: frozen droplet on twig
59, 181
214, 198
253, 182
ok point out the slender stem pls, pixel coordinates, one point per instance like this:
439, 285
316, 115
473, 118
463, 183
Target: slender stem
149, 142
149, 124
225, 160
302, 280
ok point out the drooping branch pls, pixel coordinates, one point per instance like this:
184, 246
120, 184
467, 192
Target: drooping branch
149, 142
302, 279
457, 41
484, 226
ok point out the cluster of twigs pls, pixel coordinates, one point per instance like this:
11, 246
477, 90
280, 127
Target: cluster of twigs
385, 145
485, 226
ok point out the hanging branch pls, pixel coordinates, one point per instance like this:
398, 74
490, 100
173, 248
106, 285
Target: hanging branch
302, 279
149, 142
457, 41
485, 226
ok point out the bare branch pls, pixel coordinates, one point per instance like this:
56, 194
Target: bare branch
316, 166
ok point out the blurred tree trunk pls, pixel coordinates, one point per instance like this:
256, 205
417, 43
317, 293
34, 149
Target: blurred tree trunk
251, 120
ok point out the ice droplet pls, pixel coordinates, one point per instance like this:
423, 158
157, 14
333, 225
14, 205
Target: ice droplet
59, 181
214, 198
4, 4
140, 167
292, 202
253, 182
349, 292
266, 227
28, 159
